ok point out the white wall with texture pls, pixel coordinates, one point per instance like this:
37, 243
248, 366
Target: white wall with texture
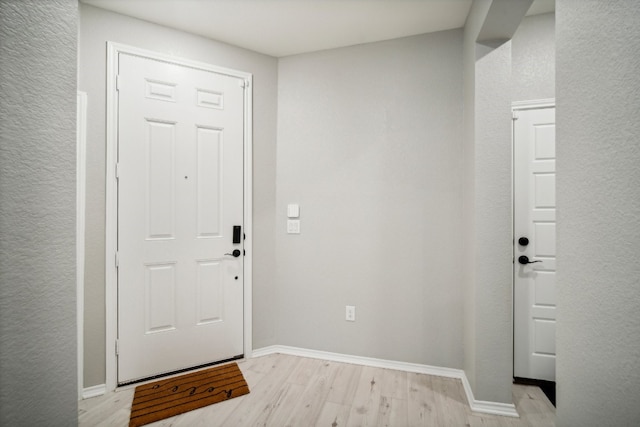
598, 156
38, 336
369, 145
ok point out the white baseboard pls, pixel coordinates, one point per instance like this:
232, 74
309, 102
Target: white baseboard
360, 360
486, 407
94, 391
494, 408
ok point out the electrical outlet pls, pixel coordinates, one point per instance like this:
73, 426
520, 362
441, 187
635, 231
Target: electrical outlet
351, 313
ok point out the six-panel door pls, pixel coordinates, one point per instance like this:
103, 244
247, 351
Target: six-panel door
535, 218
180, 192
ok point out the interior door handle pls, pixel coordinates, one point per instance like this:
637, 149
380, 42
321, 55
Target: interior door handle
236, 253
523, 259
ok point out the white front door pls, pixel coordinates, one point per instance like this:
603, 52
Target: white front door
180, 194
534, 266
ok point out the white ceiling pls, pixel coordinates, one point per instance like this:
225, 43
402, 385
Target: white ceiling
287, 27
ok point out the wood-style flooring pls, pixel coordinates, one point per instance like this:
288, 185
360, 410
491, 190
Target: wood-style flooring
297, 391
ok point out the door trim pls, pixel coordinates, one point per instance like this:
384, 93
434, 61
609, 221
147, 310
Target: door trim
111, 288
534, 104
81, 160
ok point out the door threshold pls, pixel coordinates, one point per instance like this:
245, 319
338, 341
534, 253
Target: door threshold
547, 387
179, 371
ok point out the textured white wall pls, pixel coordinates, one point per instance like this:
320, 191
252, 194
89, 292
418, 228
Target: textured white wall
598, 152
38, 364
490, 76
98, 26
369, 144
533, 59
493, 229
487, 206
475, 19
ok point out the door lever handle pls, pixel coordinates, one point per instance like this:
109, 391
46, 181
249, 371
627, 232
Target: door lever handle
523, 259
236, 253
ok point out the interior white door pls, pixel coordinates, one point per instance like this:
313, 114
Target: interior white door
535, 220
180, 193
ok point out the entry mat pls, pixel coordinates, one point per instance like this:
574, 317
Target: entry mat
172, 396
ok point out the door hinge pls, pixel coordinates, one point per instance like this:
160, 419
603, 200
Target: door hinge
117, 259
117, 170
242, 83
117, 347
514, 116
117, 81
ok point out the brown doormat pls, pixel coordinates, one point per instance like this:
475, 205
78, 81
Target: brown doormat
172, 396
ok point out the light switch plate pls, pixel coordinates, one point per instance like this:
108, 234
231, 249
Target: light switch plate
293, 211
293, 226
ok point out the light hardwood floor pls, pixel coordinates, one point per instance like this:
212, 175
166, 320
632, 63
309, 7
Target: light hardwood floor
297, 391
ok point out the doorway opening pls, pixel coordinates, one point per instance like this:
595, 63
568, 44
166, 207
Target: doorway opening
534, 245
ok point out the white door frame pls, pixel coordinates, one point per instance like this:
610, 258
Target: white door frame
81, 160
515, 107
111, 294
